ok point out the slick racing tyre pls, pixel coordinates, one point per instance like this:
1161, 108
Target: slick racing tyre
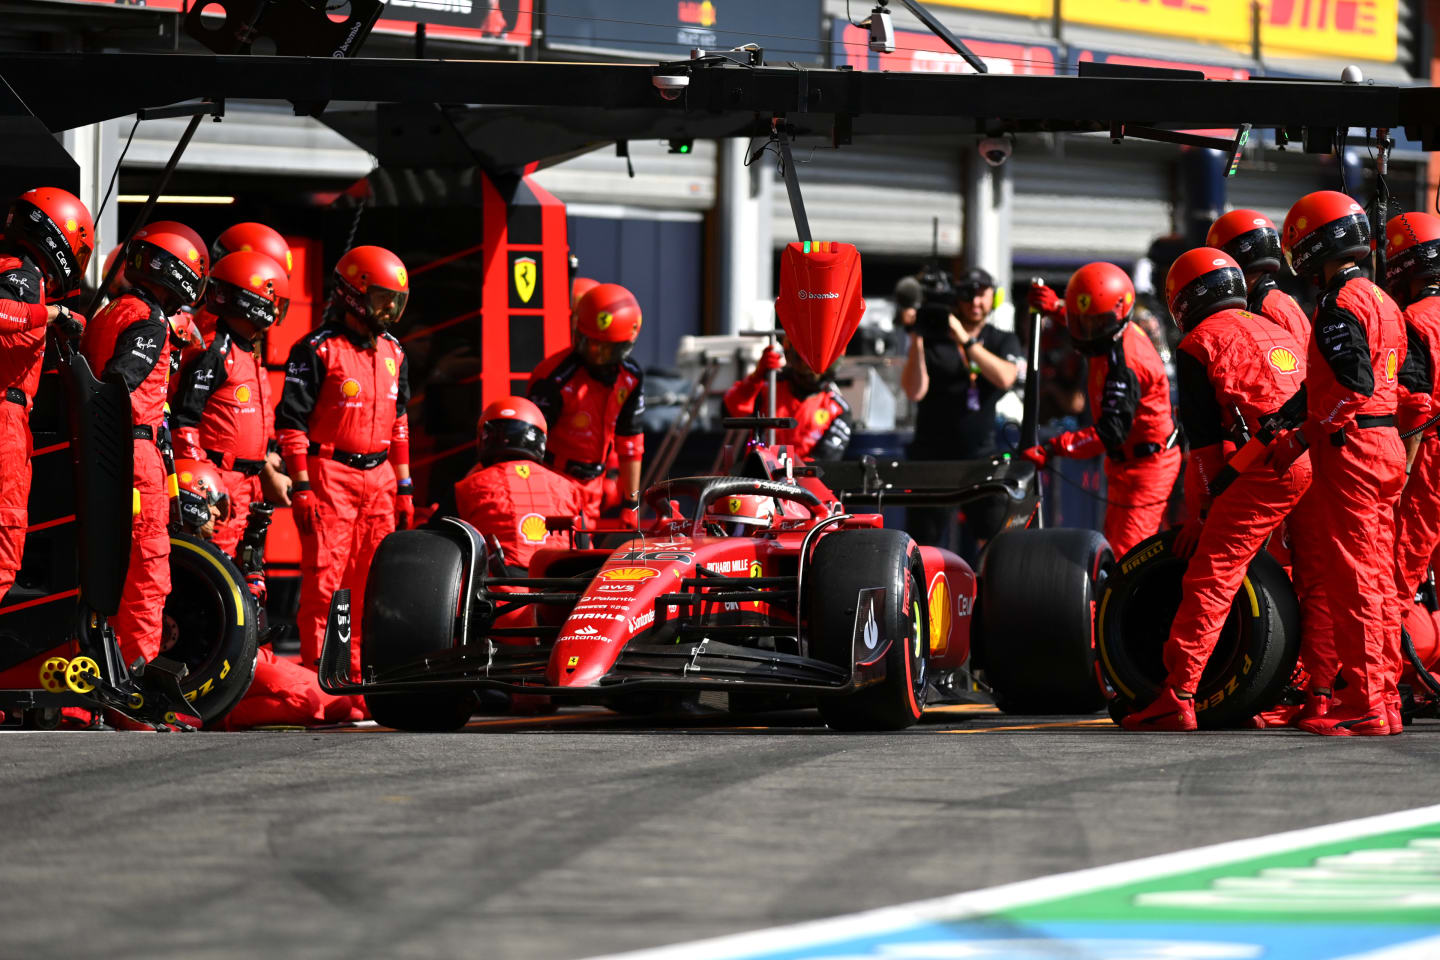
844, 564
1035, 617
210, 626
411, 599
1254, 656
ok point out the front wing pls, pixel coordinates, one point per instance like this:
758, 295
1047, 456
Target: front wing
706, 664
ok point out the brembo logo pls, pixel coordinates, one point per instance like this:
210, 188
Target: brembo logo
807, 295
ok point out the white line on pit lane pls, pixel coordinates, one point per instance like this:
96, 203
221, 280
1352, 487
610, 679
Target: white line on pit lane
978, 903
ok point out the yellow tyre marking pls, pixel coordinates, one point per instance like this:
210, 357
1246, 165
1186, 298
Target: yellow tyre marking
225, 575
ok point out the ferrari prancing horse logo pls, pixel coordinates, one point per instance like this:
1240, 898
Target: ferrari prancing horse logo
525, 278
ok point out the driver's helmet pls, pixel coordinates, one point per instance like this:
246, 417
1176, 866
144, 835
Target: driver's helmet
202, 495
741, 514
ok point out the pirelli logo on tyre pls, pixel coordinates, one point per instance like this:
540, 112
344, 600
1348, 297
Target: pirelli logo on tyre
1143, 557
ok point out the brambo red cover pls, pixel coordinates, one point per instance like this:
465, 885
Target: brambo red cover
819, 304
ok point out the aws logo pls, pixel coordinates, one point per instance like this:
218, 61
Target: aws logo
532, 528
1283, 360
703, 14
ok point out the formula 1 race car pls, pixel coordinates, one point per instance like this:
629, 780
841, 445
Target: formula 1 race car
822, 606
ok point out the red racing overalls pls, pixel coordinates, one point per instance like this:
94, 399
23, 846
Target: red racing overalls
23, 316
130, 337
1417, 519
1232, 360
1352, 387
222, 413
822, 417
1274, 304
342, 418
587, 416
510, 501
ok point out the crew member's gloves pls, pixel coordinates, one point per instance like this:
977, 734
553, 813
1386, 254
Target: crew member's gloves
1037, 455
1288, 448
630, 513
404, 505
771, 359
306, 507
1046, 301
1188, 538
69, 324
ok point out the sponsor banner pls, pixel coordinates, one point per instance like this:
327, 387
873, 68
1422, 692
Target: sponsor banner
669, 29
1341, 28
1020, 8
1217, 21
509, 22
917, 52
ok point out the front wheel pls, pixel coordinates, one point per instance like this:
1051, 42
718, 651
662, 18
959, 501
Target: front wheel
869, 583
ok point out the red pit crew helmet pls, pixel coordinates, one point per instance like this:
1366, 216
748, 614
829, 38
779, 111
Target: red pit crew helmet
373, 285
200, 489
1201, 282
257, 238
1098, 301
607, 323
511, 428
1249, 237
251, 287
53, 226
1322, 227
1412, 252
166, 263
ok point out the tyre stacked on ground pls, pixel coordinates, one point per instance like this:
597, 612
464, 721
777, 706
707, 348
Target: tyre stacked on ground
210, 626
1253, 659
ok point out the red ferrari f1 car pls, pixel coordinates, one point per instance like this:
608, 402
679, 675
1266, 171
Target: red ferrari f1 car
821, 606
811, 602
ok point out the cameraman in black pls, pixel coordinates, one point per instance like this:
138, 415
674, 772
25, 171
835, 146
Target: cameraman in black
957, 368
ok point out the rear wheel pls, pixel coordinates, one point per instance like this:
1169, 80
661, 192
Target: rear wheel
1035, 620
210, 626
1254, 655
844, 564
412, 598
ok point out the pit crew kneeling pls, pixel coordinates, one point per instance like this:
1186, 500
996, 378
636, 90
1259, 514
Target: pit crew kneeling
283, 693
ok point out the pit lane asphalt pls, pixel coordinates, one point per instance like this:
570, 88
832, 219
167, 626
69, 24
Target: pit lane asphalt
580, 834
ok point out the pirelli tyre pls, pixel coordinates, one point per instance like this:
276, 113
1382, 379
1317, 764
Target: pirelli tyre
1034, 621
210, 626
841, 585
412, 598
1254, 656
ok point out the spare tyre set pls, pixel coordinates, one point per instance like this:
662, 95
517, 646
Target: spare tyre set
1255, 654
210, 626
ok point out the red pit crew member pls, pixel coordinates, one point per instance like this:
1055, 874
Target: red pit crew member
246, 237
822, 417
510, 492
1251, 240
223, 412
346, 439
1352, 389
1412, 276
1229, 360
592, 395
48, 239
1129, 401
130, 339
